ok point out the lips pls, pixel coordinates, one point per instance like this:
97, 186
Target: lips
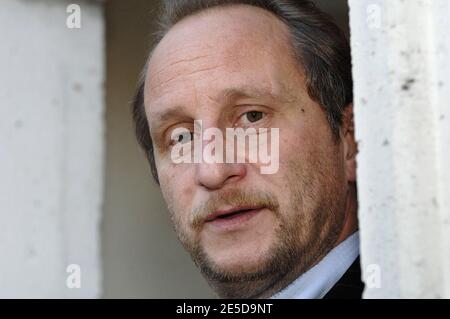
242, 213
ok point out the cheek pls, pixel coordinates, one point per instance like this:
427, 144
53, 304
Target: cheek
301, 157
176, 187
296, 147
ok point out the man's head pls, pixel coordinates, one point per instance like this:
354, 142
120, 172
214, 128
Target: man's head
252, 64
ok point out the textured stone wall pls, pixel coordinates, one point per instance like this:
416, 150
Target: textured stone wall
51, 148
401, 53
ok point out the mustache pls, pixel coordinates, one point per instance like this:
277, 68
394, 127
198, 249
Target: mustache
233, 198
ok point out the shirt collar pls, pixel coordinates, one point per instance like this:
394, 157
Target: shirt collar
318, 280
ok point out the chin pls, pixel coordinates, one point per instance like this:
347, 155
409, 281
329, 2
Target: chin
240, 261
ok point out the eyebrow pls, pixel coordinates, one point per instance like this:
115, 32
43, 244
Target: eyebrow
169, 113
245, 92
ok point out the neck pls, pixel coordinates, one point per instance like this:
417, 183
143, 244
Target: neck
351, 216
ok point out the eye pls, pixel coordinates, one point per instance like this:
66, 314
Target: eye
185, 137
253, 116
182, 137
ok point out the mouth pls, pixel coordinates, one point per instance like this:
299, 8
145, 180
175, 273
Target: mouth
233, 217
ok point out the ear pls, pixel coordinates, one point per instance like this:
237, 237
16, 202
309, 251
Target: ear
349, 143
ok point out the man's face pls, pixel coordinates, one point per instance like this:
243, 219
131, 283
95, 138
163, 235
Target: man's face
232, 67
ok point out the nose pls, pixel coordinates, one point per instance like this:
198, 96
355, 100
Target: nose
209, 173
217, 175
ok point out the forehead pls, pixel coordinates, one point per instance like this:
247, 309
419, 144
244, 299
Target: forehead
238, 44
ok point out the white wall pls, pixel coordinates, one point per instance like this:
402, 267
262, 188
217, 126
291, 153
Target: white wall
51, 148
401, 53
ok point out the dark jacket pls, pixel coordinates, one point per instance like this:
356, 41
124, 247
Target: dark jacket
349, 286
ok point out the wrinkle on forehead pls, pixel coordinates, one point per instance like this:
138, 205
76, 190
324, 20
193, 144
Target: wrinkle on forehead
153, 85
192, 59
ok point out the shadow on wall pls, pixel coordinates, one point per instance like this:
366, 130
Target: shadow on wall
142, 257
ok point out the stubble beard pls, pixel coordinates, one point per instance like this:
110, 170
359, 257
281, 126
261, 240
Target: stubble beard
302, 238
